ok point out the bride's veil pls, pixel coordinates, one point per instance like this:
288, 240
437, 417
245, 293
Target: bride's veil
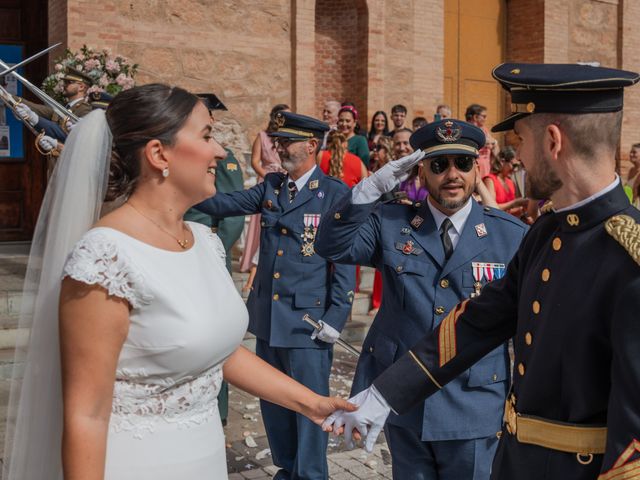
71, 205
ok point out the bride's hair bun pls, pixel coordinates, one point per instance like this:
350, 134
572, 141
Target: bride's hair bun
137, 116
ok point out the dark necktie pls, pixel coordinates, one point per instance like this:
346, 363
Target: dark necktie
446, 239
292, 190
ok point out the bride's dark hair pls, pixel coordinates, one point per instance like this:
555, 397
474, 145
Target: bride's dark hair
136, 116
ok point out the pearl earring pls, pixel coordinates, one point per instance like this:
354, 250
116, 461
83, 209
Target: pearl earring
165, 172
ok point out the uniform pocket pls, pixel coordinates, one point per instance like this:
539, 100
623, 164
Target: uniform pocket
309, 299
491, 369
383, 349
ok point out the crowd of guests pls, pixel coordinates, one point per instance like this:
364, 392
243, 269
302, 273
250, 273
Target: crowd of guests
350, 153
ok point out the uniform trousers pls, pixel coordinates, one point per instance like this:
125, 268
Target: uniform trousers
298, 446
414, 459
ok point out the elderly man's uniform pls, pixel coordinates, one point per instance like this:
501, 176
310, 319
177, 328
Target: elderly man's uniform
451, 435
571, 300
292, 280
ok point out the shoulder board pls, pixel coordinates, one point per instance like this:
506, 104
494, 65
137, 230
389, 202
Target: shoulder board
497, 213
547, 207
626, 231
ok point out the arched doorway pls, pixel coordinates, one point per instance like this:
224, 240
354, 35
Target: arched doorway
474, 43
341, 53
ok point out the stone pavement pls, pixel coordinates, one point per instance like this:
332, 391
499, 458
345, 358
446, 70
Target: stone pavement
248, 455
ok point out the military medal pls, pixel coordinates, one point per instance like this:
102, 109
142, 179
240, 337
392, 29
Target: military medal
407, 248
488, 270
311, 222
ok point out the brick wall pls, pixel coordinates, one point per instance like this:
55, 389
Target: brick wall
525, 31
57, 16
341, 53
629, 59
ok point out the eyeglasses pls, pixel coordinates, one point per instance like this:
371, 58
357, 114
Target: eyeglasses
440, 165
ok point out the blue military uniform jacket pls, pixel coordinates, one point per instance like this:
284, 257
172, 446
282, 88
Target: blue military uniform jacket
419, 289
571, 297
290, 283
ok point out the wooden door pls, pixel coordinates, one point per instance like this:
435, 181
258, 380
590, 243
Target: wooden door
22, 180
474, 44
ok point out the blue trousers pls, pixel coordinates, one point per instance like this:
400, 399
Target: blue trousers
298, 446
413, 459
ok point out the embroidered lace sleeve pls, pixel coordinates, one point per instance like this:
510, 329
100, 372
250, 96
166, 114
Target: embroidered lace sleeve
213, 240
96, 260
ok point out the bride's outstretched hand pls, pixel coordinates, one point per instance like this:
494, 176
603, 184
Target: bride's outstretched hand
325, 406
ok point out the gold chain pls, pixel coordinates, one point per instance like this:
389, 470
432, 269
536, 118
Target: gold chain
183, 243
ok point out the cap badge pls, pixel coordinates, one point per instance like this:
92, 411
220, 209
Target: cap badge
515, 71
280, 120
449, 132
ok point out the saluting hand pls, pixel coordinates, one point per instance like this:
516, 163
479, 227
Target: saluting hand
386, 179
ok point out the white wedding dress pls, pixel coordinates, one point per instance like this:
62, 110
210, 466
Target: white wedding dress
186, 319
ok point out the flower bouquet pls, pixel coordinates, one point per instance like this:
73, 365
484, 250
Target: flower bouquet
110, 73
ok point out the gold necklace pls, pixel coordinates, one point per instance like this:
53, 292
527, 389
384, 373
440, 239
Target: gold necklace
183, 243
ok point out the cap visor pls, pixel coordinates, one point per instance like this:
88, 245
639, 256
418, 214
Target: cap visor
451, 151
507, 123
292, 136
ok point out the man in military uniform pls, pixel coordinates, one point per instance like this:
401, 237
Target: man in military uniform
432, 255
76, 84
293, 280
570, 297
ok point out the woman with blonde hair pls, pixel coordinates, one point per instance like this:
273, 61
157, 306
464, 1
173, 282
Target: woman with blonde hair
338, 162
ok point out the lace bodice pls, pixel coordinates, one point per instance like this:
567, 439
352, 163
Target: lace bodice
186, 318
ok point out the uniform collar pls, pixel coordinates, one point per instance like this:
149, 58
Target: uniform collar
459, 219
73, 102
602, 192
598, 208
302, 181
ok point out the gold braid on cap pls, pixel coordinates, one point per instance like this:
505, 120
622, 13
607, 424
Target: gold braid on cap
627, 233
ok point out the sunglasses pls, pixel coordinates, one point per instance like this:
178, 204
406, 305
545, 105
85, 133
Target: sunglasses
440, 165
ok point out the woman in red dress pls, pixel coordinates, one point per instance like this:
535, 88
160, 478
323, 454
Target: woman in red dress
336, 160
501, 186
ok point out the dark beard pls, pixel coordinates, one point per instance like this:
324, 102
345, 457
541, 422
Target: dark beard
453, 204
541, 182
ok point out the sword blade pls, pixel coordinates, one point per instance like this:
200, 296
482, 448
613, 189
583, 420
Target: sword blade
30, 59
349, 348
59, 109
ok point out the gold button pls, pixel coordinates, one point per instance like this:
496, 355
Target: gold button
546, 273
276, 275
557, 244
399, 268
280, 253
283, 231
494, 377
276, 297
444, 283
528, 338
317, 302
536, 307
263, 223
439, 310
521, 369
370, 349
337, 215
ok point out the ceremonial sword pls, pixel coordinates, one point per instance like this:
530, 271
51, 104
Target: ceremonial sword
30, 59
349, 348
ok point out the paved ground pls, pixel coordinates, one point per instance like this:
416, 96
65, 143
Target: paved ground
245, 428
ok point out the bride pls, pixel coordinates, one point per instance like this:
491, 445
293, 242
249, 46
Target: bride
127, 353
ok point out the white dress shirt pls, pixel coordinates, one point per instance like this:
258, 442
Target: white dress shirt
459, 219
302, 181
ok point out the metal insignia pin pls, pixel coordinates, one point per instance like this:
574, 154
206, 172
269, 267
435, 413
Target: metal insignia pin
407, 248
481, 230
405, 231
320, 194
417, 221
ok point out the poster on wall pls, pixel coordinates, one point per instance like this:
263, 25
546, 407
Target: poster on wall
11, 130
5, 141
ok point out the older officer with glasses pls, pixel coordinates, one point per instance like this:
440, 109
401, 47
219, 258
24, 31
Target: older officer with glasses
432, 255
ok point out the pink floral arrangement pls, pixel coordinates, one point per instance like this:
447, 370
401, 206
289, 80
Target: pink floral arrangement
110, 73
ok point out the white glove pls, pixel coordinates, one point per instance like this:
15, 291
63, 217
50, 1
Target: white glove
369, 419
27, 114
47, 143
68, 124
326, 333
385, 179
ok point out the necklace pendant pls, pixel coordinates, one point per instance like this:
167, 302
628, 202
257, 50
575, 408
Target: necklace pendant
183, 243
